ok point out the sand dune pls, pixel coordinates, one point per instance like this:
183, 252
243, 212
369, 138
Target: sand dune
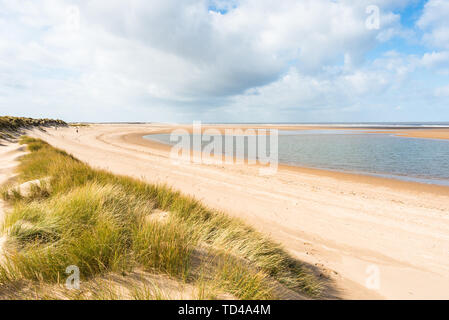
351, 227
8, 161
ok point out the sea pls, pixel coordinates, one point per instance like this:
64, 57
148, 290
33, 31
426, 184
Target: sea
355, 151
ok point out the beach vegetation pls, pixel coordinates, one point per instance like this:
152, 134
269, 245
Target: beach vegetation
109, 224
10, 125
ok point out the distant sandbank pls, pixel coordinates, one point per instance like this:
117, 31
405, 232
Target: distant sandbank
429, 132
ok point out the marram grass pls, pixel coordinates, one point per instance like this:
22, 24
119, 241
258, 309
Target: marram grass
10, 125
103, 223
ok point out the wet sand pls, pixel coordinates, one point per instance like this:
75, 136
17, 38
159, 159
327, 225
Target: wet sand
421, 133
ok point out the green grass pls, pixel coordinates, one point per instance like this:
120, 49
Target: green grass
102, 223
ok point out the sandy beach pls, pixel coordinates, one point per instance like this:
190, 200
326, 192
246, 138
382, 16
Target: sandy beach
348, 226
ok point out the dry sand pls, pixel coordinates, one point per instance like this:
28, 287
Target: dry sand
348, 226
9, 152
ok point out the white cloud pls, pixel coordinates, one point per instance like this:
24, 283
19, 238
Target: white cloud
82, 58
435, 22
442, 91
438, 61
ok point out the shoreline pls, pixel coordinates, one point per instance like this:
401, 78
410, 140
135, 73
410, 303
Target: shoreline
138, 138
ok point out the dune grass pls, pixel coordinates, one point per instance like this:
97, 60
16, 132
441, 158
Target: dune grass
103, 223
10, 125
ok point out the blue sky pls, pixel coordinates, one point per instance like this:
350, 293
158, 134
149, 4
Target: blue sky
225, 61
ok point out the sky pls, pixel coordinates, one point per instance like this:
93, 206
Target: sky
225, 60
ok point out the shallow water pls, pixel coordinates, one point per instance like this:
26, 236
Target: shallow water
421, 160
